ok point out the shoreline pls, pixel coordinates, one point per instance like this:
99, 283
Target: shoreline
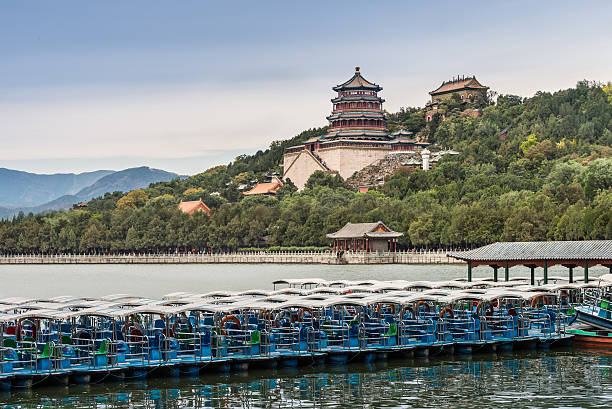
239, 258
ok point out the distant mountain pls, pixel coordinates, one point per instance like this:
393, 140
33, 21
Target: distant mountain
24, 189
124, 180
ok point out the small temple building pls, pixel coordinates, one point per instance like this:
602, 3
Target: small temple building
266, 188
357, 135
193, 206
466, 88
365, 237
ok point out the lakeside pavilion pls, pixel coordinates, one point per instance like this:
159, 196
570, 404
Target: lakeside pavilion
544, 254
365, 237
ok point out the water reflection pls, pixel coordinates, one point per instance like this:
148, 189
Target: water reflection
558, 379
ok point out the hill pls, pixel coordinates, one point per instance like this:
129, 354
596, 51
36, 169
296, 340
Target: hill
536, 168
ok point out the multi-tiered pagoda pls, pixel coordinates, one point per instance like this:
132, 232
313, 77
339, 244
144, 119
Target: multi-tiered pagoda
357, 135
357, 112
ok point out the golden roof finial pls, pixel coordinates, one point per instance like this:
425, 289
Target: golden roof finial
356, 70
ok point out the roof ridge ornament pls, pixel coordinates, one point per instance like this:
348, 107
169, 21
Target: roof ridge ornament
356, 70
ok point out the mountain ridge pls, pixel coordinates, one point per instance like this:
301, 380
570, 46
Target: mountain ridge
123, 180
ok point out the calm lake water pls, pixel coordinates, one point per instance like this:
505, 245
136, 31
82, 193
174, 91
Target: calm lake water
155, 280
547, 380
565, 379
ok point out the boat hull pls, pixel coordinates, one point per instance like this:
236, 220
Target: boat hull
587, 316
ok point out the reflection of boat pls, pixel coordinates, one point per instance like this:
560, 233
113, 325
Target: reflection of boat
587, 336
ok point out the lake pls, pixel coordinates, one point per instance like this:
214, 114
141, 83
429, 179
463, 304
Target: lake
567, 379
155, 280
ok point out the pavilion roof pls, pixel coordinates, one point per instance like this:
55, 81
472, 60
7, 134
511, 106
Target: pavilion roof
192, 206
455, 85
371, 230
539, 250
357, 81
264, 189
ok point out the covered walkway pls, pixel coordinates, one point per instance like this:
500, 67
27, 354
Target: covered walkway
544, 254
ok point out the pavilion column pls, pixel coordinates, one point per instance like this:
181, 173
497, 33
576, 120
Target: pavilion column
507, 272
469, 278
586, 271
532, 268
545, 272
495, 267
571, 274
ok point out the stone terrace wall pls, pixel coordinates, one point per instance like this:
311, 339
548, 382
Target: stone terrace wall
328, 257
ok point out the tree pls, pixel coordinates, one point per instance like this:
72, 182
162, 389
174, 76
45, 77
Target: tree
132, 200
320, 178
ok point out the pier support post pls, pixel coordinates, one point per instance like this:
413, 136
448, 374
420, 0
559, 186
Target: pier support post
586, 271
469, 272
507, 272
532, 268
495, 273
545, 272
571, 274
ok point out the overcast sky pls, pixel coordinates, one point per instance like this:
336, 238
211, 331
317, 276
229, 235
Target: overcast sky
185, 85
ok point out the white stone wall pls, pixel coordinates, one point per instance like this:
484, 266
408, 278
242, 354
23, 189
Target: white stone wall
348, 160
299, 166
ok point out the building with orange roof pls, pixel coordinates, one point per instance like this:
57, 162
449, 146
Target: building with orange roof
466, 88
268, 188
194, 206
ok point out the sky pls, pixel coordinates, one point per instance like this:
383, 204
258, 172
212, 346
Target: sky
183, 86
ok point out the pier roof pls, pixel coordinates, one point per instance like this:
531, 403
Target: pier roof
531, 251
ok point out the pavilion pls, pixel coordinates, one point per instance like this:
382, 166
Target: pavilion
365, 237
543, 254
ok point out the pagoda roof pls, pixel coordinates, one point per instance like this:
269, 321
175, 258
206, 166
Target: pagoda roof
352, 98
356, 133
357, 82
458, 84
359, 230
357, 114
402, 133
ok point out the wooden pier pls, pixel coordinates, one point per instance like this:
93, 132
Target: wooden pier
277, 257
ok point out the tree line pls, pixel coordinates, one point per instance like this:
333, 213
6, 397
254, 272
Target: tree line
535, 168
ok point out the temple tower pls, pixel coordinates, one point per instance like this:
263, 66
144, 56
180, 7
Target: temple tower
357, 111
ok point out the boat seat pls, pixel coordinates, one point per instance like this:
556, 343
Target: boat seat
10, 343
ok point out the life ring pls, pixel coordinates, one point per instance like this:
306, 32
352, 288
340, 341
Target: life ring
424, 304
132, 331
390, 305
232, 318
182, 319
303, 311
448, 310
534, 302
20, 329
